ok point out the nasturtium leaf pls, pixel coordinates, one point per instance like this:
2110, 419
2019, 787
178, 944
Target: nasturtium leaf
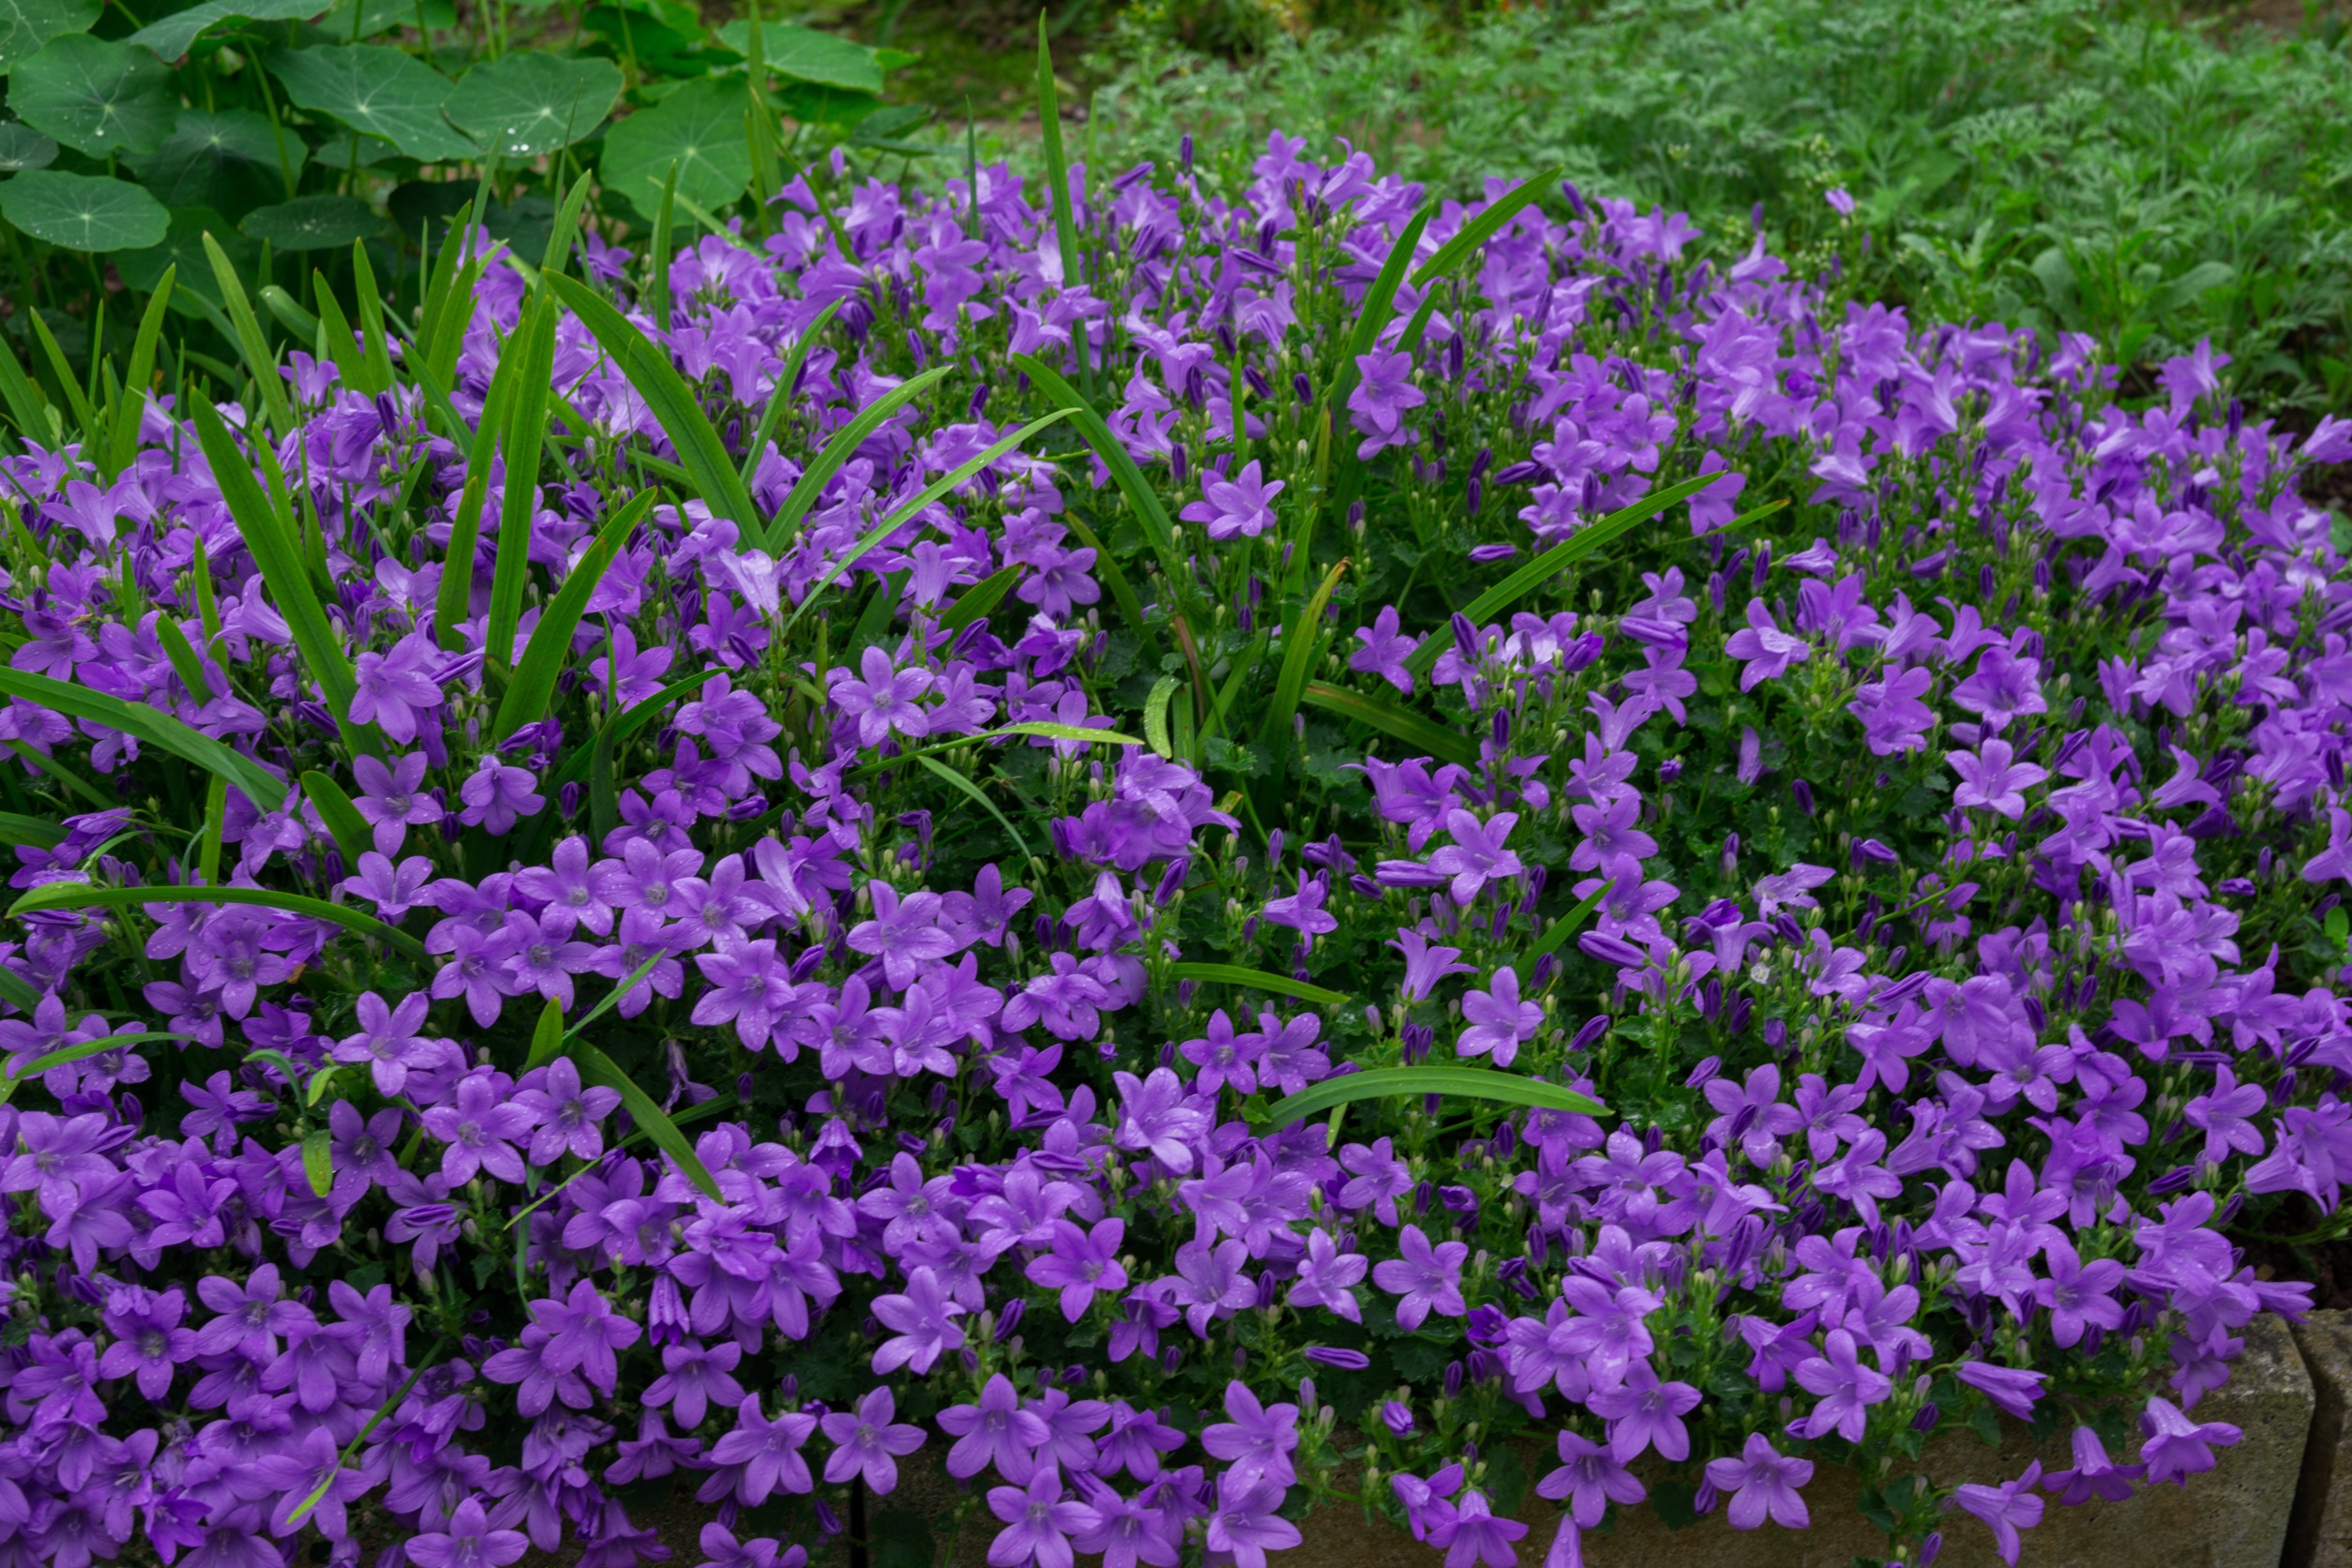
805, 55
313, 223
700, 128
22, 147
522, 105
96, 97
82, 212
26, 26
378, 92
171, 37
225, 158
382, 16
182, 246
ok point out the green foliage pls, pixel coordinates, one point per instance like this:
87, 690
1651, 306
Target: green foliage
2085, 165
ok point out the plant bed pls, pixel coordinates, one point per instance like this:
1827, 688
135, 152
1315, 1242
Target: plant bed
1146, 844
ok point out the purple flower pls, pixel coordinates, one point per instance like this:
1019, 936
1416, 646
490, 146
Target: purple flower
1500, 1021
1039, 1520
882, 703
1327, 1277
1768, 649
693, 1379
2176, 1447
1245, 1524
1473, 1535
1383, 391
1477, 855
2006, 1509
924, 1322
391, 690
468, 1543
1243, 504
997, 1431
1080, 1262
760, 1457
868, 1442
497, 796
1762, 1483
1428, 1279
1643, 1412
391, 799
2012, 1390
1993, 778
1254, 1440
2094, 1475
1847, 1388
1385, 650
566, 1113
1589, 1478
478, 1127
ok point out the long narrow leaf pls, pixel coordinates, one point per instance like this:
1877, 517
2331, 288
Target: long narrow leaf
77, 401
351, 1449
1491, 1085
377, 348
1378, 310
133, 401
979, 797
455, 599
600, 1069
1058, 177
69, 896
158, 729
1503, 595
344, 823
1484, 227
1299, 641
16, 828
839, 448
786, 387
259, 361
1141, 498
519, 501
25, 404
551, 646
666, 393
1432, 738
1257, 979
979, 600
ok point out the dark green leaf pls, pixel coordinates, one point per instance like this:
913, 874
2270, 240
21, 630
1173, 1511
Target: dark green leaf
22, 147
158, 729
1427, 735
344, 823
1257, 979
26, 26
805, 55
699, 129
313, 223
171, 37
69, 896
549, 648
377, 91
82, 212
527, 103
651, 1119
1491, 1084
96, 97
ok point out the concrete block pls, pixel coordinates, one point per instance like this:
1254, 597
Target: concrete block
2320, 1534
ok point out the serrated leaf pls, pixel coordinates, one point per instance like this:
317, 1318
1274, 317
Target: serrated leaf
69, 896
525, 104
805, 55
171, 37
27, 25
313, 223
1258, 979
84, 212
96, 97
22, 147
158, 729
1491, 1085
699, 129
377, 91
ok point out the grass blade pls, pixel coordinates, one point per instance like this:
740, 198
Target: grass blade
519, 503
133, 402
787, 383
1158, 526
657, 301
376, 347
1258, 979
979, 797
344, 824
598, 1068
352, 362
1379, 308
980, 600
182, 657
1458, 249
16, 828
547, 1040
1057, 184
26, 405
73, 895
85, 420
1562, 929
1155, 716
270, 534
1432, 738
1491, 1084
666, 393
158, 729
454, 597
839, 448
1299, 642
551, 646
259, 361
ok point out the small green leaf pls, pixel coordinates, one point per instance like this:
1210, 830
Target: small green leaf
259, 361
1489, 1084
69, 896
533, 349
377, 91
699, 129
1155, 716
598, 1068
1562, 929
318, 1161
132, 404
1257, 979
547, 1039
84, 212
27, 25
313, 223
527, 104
1046, 729
96, 97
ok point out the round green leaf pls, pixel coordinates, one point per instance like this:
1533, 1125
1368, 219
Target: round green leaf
226, 158
82, 212
700, 128
523, 105
22, 147
25, 25
805, 55
95, 96
182, 246
171, 37
313, 223
378, 92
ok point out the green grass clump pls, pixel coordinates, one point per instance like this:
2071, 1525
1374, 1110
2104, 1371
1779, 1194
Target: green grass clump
2064, 163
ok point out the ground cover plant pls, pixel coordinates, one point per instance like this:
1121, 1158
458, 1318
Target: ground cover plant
2077, 165
1135, 832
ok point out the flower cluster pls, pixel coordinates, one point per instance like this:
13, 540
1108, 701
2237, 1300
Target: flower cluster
1877, 890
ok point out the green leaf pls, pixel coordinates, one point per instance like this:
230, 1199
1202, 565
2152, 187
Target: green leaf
1533, 575
22, 147
270, 537
259, 361
400, 1396
1562, 929
547, 1039
1379, 308
195, 292
19, 829
650, 372
805, 55
344, 824
27, 25
976, 602
453, 600
840, 447
600, 1069
81, 1051
1141, 498
84, 212
533, 349
914, 508
1491, 1084
1299, 642
158, 729
72, 896
1484, 227
132, 402
1155, 716
782, 399
377, 91
182, 657
612, 998
549, 649
318, 1161
978, 796
313, 223
1257, 979
1057, 169
171, 37
1047, 730
527, 104
699, 129
1430, 737
96, 97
